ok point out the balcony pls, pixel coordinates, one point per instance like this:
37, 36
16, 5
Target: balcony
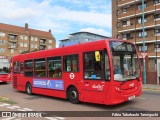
149, 24
13, 40
42, 47
148, 9
43, 43
151, 38
126, 28
126, 2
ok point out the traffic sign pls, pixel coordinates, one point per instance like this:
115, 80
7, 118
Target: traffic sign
144, 54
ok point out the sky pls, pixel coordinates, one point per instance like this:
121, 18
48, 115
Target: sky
63, 17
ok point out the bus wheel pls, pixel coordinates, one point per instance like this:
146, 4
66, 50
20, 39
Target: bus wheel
73, 95
28, 89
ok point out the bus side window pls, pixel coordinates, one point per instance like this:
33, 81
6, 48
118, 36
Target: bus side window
54, 67
21, 68
40, 67
28, 68
16, 67
71, 63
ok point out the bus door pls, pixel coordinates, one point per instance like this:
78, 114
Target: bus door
16, 71
21, 74
94, 83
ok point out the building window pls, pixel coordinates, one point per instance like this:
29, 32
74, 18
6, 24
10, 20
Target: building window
34, 38
21, 44
54, 67
157, 16
31, 45
124, 9
118, 12
71, 63
118, 24
2, 34
35, 46
157, 31
139, 20
12, 50
49, 47
126, 36
140, 34
126, 23
140, 6
25, 44
2, 42
156, 1
2, 50
23, 37
50, 41
140, 48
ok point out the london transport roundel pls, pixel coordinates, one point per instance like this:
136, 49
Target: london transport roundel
72, 75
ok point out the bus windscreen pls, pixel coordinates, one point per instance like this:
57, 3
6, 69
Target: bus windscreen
125, 61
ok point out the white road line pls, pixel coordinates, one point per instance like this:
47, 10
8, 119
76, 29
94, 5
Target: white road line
60, 118
13, 107
25, 109
4, 105
50, 118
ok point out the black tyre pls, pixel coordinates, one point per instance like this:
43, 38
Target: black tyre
28, 89
73, 95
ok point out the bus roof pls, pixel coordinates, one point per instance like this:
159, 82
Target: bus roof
68, 49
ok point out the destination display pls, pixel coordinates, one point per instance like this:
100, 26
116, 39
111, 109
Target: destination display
122, 46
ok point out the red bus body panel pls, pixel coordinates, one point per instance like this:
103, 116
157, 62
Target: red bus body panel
94, 91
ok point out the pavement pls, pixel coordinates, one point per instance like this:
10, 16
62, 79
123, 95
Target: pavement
151, 87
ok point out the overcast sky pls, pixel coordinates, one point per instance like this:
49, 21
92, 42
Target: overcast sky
61, 16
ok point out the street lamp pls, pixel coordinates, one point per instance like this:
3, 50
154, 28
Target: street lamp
144, 62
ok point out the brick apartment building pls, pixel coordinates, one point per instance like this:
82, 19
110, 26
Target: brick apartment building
15, 39
127, 25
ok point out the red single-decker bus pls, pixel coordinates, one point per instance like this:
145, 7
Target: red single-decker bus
104, 72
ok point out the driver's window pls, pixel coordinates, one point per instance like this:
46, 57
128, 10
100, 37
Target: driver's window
94, 65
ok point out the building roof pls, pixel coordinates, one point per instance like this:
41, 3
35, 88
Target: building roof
23, 30
89, 33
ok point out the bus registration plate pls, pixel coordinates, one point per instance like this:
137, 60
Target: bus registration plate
131, 97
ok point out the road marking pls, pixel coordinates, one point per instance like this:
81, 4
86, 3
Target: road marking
4, 104
25, 109
13, 107
61, 118
50, 118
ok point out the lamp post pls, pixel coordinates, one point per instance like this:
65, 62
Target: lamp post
144, 62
